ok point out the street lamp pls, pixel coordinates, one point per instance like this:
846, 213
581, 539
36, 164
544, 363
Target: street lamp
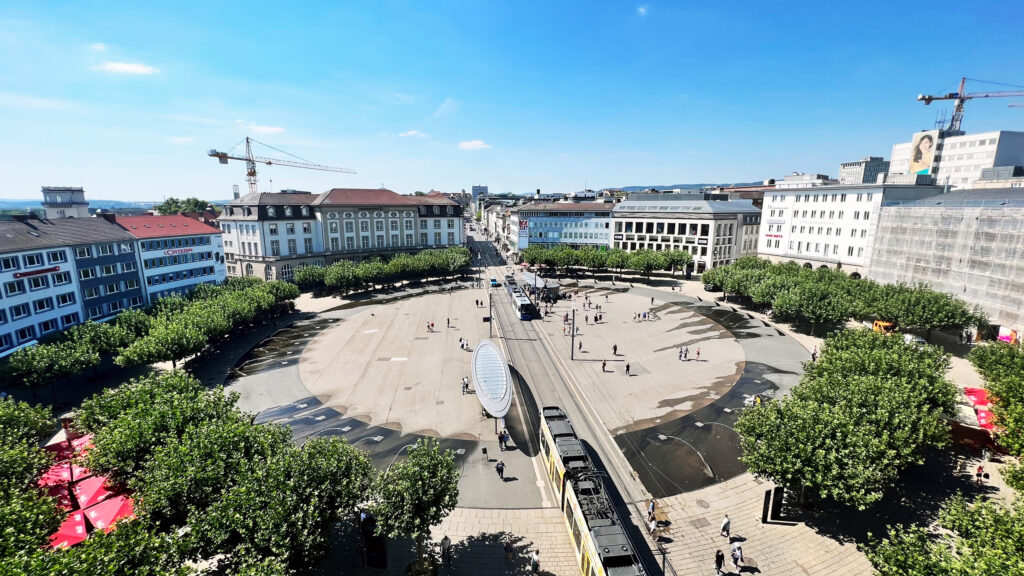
707, 468
701, 425
388, 469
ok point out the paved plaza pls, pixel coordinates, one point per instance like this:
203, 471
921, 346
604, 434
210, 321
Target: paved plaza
378, 376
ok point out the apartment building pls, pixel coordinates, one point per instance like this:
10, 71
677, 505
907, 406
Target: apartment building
956, 160
575, 224
177, 253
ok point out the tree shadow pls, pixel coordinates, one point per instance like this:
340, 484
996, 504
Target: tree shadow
484, 553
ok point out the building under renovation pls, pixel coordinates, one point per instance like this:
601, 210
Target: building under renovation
967, 243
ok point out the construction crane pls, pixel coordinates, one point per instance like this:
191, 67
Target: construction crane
960, 97
251, 160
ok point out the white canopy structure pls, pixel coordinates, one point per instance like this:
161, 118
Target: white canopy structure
491, 378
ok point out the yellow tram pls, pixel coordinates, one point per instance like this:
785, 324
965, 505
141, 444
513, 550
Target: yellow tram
599, 537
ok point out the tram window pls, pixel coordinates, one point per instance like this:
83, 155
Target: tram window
575, 531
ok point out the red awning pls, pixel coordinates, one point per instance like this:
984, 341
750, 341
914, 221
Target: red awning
71, 532
103, 515
63, 496
82, 441
985, 419
91, 491
979, 396
62, 473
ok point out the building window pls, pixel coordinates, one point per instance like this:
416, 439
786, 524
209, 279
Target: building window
289, 228
32, 260
48, 326
69, 319
378, 226
408, 239
350, 243
56, 257
393, 225
287, 210
273, 229
61, 278
95, 311
25, 334
109, 269
92, 292
305, 210
437, 223
366, 242
272, 212
349, 228
867, 214
19, 311
112, 289
105, 249
37, 283
128, 266
307, 245
408, 224
380, 240
437, 238
394, 240
131, 284
275, 248
334, 243
83, 252
451, 237
14, 287
291, 246
9, 263
423, 238
306, 229
43, 304
332, 227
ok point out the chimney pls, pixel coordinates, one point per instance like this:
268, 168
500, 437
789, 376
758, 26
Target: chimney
234, 190
109, 217
21, 217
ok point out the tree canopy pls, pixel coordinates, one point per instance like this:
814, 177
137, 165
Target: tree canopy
173, 205
868, 408
1002, 367
344, 275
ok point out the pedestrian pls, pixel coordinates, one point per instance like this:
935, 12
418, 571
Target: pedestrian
431, 326
680, 354
586, 319
726, 524
509, 549
428, 327
446, 550
698, 354
652, 300
615, 349
535, 561
719, 561
463, 386
448, 322
501, 441
565, 330
500, 468
737, 555
652, 526
604, 364
814, 354
634, 317
651, 506
605, 297
627, 368
580, 348
979, 474
686, 353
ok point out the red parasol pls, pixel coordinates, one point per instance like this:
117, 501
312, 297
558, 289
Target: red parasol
61, 449
82, 442
63, 496
62, 473
103, 515
985, 419
90, 491
978, 396
71, 532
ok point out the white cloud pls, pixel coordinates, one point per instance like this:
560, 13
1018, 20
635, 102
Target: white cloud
413, 134
98, 47
127, 68
449, 106
641, 10
259, 129
180, 139
473, 145
24, 101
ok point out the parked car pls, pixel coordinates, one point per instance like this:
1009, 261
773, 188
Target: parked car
494, 282
712, 288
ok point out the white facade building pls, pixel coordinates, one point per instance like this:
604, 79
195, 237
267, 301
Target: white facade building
828, 226
865, 171
65, 202
801, 180
714, 232
569, 224
959, 160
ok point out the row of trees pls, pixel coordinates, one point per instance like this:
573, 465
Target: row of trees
1002, 367
173, 328
643, 261
173, 205
345, 276
208, 482
870, 407
826, 297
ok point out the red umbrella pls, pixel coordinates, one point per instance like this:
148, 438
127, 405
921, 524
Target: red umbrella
103, 515
985, 419
62, 473
63, 496
61, 449
82, 441
977, 396
71, 532
90, 491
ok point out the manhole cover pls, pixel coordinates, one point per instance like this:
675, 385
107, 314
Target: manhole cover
700, 523
703, 504
407, 388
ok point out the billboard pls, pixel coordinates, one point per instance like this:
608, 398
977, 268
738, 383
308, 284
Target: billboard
922, 152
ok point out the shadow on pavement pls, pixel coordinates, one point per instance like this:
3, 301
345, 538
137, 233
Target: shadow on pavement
526, 440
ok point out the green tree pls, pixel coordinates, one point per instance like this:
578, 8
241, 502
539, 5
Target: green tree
173, 205
311, 277
417, 493
678, 259
1002, 367
973, 539
646, 261
26, 517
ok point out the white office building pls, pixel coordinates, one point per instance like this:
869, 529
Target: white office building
567, 224
865, 171
956, 160
829, 226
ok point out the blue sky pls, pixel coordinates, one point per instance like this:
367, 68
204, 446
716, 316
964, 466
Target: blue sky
126, 98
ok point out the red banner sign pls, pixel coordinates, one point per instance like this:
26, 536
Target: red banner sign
37, 272
174, 251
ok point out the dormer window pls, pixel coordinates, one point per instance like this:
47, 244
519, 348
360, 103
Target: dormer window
271, 211
305, 210
287, 210
248, 211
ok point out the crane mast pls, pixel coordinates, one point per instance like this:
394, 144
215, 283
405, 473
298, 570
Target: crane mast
251, 160
960, 98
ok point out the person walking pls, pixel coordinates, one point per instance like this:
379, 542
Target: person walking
580, 347
604, 365
652, 300
627, 368
737, 555
500, 468
726, 524
615, 349
509, 549
586, 319
448, 322
698, 354
979, 475
651, 507
446, 550
719, 562
535, 561
686, 353
680, 354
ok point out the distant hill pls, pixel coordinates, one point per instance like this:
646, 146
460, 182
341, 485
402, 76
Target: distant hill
680, 186
36, 203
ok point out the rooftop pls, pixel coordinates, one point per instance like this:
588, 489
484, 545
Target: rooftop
982, 197
143, 227
566, 207
674, 206
376, 197
274, 199
31, 234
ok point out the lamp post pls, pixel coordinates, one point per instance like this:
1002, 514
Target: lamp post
572, 335
707, 468
701, 425
388, 469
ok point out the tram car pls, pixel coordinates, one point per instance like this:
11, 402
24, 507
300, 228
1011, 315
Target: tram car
520, 301
600, 541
